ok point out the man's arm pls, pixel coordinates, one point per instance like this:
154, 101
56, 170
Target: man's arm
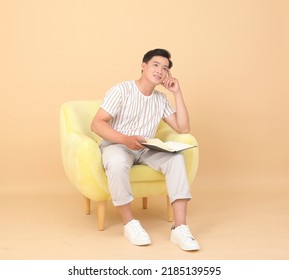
179, 121
100, 126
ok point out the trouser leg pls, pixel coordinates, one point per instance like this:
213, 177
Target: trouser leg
117, 162
172, 165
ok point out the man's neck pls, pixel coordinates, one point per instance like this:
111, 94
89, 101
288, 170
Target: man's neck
144, 87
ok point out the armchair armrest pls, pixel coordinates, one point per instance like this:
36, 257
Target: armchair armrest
182, 138
168, 134
81, 157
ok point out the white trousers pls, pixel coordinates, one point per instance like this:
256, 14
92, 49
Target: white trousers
118, 159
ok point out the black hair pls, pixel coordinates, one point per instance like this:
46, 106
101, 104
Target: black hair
157, 52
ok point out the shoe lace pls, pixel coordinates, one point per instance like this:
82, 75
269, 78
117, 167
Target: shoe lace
137, 228
186, 232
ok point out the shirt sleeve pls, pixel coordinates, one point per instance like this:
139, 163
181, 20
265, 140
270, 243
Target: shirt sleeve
112, 101
168, 109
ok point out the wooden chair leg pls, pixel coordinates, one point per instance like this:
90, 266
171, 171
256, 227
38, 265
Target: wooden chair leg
169, 210
87, 205
101, 207
144, 202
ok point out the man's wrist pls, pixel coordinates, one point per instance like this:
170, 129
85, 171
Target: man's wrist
122, 138
178, 92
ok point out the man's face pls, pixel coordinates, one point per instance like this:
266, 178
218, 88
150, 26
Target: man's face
156, 70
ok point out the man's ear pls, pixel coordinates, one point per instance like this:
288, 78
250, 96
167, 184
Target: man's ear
143, 65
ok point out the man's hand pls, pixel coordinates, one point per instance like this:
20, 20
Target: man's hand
134, 142
171, 83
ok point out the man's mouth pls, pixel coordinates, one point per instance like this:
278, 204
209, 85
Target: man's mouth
158, 77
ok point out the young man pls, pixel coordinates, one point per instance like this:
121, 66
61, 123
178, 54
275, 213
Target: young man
130, 114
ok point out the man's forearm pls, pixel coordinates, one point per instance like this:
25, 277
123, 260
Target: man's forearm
182, 115
105, 131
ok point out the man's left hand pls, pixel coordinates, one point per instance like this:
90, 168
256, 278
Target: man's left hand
171, 83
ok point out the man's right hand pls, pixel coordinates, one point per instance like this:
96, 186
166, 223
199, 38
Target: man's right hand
134, 142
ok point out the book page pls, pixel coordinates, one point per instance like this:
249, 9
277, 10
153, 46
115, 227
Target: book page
176, 146
157, 144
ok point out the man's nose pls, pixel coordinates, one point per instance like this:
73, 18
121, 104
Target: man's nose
160, 71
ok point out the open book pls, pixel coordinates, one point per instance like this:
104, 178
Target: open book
171, 147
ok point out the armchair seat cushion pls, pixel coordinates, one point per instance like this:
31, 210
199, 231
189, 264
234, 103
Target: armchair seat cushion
143, 173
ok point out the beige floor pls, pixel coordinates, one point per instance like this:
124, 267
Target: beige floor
231, 221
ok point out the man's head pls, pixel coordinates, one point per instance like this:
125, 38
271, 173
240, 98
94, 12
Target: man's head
156, 66
158, 52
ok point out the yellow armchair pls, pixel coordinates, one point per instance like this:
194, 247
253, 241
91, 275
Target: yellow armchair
82, 163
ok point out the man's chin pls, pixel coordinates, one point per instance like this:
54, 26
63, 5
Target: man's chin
158, 82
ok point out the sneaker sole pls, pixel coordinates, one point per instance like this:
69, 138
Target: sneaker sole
195, 247
138, 242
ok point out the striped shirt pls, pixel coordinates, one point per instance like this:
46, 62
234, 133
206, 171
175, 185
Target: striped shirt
134, 113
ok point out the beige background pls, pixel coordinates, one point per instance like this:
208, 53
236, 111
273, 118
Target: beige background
231, 58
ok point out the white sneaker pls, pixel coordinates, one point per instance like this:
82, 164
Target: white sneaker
135, 233
182, 236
